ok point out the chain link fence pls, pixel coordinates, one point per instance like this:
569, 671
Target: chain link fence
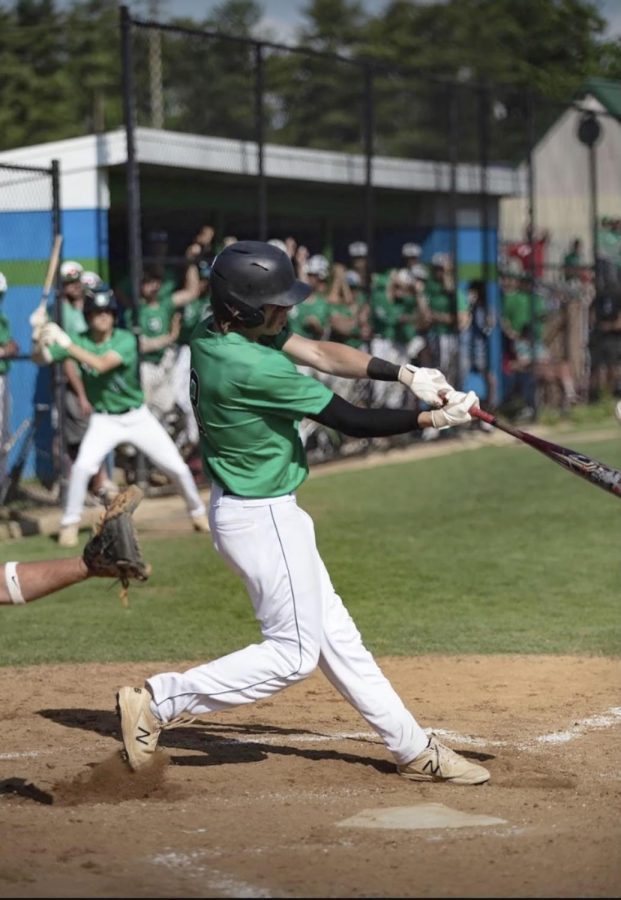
29, 218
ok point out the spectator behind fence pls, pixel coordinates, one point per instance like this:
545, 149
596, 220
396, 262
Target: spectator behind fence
158, 318
442, 335
475, 371
311, 318
8, 351
531, 252
519, 308
605, 341
573, 262
192, 313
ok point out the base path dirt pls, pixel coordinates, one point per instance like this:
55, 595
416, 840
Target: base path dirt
250, 803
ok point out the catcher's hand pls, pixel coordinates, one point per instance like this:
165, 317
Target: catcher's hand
113, 551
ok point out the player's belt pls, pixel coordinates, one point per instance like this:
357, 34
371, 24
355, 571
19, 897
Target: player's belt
120, 412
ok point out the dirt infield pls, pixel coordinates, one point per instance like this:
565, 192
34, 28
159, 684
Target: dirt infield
252, 800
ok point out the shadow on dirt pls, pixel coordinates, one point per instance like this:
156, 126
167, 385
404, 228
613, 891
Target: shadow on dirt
217, 744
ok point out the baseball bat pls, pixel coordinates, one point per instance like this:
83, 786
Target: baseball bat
593, 471
51, 271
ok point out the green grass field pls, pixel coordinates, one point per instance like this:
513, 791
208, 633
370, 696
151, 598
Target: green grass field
491, 551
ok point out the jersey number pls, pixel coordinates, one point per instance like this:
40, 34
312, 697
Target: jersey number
194, 394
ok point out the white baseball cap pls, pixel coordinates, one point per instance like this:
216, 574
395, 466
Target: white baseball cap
318, 265
276, 242
404, 277
419, 271
411, 250
3, 283
71, 270
358, 249
441, 260
91, 280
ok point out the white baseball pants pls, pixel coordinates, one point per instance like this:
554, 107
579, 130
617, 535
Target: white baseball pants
140, 428
271, 544
181, 382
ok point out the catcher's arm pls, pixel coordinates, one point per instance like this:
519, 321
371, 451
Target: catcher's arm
113, 551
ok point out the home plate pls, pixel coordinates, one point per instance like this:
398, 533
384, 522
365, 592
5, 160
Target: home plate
423, 815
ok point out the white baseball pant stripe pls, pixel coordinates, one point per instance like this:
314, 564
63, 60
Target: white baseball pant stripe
140, 428
304, 624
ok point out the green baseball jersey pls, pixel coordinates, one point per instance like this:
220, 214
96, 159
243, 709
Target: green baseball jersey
5, 337
314, 307
119, 389
516, 308
191, 315
348, 311
73, 321
441, 301
404, 331
384, 316
155, 320
248, 398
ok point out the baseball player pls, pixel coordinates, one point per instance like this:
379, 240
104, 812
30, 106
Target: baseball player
248, 397
109, 358
158, 316
8, 350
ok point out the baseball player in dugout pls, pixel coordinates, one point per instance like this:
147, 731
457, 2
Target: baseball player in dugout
77, 406
248, 398
108, 357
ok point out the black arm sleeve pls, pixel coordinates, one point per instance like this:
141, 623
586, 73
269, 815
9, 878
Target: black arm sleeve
382, 370
359, 422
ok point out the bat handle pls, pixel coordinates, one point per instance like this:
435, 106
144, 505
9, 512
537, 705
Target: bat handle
479, 413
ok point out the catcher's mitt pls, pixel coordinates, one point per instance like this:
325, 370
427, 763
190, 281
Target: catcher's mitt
113, 550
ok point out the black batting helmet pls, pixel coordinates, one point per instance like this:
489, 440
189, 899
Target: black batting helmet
102, 298
248, 274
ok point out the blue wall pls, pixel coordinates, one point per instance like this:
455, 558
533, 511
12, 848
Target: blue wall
25, 243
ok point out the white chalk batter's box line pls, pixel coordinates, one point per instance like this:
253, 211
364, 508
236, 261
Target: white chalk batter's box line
608, 719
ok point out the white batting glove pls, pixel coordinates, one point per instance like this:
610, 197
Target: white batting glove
51, 333
37, 320
456, 411
429, 385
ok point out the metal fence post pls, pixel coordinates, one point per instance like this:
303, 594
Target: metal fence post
369, 211
133, 194
259, 124
59, 386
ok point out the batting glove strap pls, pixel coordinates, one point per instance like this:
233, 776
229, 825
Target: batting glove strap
429, 385
456, 411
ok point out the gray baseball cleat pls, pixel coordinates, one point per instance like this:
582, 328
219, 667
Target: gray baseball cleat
439, 763
139, 727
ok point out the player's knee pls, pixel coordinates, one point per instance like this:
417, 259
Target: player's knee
309, 659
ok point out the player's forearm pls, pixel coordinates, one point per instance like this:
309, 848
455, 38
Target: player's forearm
358, 421
97, 363
31, 580
148, 345
340, 359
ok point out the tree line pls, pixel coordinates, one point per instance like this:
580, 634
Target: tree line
60, 73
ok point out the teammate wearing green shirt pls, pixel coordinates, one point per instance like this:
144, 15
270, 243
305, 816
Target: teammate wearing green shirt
249, 397
158, 316
8, 350
108, 358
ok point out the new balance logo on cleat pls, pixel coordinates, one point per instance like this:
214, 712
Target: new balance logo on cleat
143, 736
439, 763
139, 727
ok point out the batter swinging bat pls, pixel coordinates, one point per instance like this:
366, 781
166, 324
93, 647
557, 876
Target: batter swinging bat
592, 470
